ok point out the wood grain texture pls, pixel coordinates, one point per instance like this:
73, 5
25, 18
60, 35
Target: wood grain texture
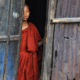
12, 48
10, 29
66, 50
66, 20
49, 30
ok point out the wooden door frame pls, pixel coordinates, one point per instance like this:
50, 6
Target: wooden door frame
48, 40
10, 38
49, 37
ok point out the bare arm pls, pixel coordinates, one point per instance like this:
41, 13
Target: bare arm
40, 43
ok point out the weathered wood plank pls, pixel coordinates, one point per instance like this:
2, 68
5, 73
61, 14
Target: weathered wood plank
57, 44
75, 38
47, 53
62, 32
71, 42
2, 54
65, 20
11, 71
4, 7
78, 42
69, 47
4, 11
56, 48
63, 14
77, 72
77, 48
14, 28
11, 38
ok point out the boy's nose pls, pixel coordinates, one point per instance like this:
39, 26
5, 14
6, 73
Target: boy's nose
24, 13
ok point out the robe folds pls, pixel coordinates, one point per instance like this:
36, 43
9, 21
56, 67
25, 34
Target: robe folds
30, 55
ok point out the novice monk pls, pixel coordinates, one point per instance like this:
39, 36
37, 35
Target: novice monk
29, 58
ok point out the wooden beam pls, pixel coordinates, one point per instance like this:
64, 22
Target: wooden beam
65, 20
48, 41
11, 38
14, 37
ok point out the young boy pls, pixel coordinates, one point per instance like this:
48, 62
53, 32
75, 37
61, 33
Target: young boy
30, 41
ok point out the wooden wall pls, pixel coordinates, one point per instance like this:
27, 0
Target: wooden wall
66, 47
11, 12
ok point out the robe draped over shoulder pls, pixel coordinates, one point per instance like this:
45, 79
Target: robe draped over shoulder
30, 55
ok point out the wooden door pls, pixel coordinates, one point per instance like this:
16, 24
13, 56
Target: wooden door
61, 56
10, 29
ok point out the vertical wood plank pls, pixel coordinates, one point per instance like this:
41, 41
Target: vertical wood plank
4, 7
65, 43
56, 46
78, 42
4, 16
68, 49
47, 53
14, 28
2, 54
75, 39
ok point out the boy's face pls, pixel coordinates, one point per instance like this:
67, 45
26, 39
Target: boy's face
26, 13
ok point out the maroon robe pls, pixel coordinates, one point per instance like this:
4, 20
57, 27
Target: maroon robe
30, 60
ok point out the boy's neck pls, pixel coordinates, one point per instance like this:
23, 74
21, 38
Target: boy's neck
24, 25
25, 22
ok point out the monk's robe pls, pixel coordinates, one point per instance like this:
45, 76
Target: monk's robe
30, 57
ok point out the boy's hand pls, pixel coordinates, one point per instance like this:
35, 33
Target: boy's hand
40, 43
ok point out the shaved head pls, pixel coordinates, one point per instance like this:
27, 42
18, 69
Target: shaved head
26, 6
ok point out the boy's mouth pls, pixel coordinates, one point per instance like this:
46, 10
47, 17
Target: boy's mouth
24, 16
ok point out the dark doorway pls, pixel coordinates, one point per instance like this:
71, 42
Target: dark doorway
38, 14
